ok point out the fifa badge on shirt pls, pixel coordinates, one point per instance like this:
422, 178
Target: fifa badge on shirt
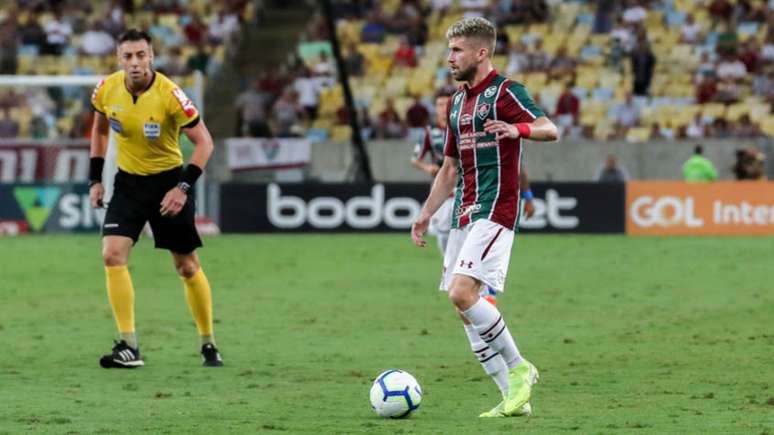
152, 130
115, 124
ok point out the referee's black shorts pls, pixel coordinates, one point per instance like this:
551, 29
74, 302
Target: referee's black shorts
137, 199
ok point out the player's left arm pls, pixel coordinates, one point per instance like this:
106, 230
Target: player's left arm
519, 116
176, 198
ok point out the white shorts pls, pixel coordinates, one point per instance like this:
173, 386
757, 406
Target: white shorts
440, 223
481, 250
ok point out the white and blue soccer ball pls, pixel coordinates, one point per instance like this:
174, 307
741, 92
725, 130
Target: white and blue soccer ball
395, 394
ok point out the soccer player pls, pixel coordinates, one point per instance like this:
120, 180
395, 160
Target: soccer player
487, 120
146, 112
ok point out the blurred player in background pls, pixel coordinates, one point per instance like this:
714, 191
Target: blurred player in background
488, 118
146, 112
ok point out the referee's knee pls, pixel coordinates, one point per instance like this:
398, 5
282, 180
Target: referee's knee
187, 266
113, 257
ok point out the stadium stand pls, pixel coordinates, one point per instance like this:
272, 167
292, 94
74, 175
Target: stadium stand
693, 68
78, 38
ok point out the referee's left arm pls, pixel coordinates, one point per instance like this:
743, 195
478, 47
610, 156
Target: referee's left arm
200, 136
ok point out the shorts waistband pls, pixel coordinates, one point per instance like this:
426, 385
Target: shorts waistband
163, 174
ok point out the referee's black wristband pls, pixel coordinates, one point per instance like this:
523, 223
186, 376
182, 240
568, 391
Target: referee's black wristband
95, 169
190, 174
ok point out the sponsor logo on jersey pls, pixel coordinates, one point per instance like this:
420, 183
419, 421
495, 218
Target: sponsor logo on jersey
483, 110
462, 211
115, 108
490, 91
96, 90
151, 130
457, 98
185, 103
466, 119
115, 125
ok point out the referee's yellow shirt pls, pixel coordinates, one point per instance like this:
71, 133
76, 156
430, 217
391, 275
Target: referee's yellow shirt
146, 127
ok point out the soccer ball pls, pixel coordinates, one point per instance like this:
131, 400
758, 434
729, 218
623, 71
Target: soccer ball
395, 394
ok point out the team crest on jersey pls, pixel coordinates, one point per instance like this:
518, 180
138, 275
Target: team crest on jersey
483, 110
490, 91
466, 119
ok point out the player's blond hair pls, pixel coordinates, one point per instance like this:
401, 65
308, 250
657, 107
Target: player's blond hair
475, 28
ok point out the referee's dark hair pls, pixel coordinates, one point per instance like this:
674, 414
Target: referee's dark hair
134, 35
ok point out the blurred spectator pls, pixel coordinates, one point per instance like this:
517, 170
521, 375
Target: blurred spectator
749, 55
38, 127
634, 12
82, 125
727, 41
374, 29
171, 63
196, 30
58, 32
355, 61
643, 64
562, 65
518, 59
698, 168
308, 90
324, 66
10, 98
417, 116
9, 128
405, 55
690, 32
251, 112
626, 114
448, 87
706, 68
9, 45
697, 129
706, 91
623, 34
767, 52
198, 61
749, 165
97, 42
224, 27
503, 42
603, 16
567, 107
745, 128
286, 111
32, 32
731, 68
527, 11
538, 59
474, 8
763, 85
611, 172
720, 129
720, 11
390, 126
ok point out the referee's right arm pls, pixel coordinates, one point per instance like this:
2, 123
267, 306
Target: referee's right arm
97, 151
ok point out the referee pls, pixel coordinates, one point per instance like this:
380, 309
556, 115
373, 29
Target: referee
146, 112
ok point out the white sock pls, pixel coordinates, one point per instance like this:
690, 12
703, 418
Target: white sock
489, 324
491, 361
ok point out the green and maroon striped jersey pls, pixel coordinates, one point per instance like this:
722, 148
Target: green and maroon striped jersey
432, 144
488, 170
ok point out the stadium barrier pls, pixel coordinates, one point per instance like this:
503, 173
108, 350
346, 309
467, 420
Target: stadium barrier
559, 207
636, 208
720, 208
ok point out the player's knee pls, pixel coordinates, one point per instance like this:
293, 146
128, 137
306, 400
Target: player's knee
113, 257
187, 267
462, 297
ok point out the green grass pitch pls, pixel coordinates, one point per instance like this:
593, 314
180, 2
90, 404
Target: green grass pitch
632, 335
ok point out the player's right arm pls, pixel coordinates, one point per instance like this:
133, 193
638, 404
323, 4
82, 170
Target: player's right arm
443, 185
98, 147
422, 150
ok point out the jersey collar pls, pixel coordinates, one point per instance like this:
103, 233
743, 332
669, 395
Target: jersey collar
475, 90
150, 84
